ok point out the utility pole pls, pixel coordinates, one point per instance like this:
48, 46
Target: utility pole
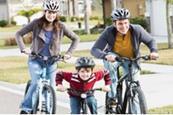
86, 16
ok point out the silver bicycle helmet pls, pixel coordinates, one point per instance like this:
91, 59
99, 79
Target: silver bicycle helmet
52, 5
120, 13
84, 62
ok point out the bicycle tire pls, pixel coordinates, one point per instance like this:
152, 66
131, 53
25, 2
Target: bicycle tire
108, 107
49, 90
84, 107
129, 102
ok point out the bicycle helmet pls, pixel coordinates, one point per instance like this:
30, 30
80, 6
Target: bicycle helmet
120, 13
84, 62
52, 5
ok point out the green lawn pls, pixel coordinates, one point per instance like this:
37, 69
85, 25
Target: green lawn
162, 110
10, 29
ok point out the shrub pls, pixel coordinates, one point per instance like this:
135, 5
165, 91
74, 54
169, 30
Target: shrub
80, 32
94, 18
141, 21
63, 18
13, 22
74, 18
3, 23
11, 41
108, 21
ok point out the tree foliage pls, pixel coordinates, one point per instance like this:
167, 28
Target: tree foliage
28, 13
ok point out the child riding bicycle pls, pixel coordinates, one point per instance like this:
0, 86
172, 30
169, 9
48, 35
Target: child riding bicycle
83, 80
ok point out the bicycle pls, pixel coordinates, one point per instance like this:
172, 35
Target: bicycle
45, 96
127, 90
83, 96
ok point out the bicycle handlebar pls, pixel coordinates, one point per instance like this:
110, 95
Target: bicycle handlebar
46, 58
122, 59
87, 93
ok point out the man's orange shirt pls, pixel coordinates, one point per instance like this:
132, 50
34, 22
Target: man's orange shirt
123, 45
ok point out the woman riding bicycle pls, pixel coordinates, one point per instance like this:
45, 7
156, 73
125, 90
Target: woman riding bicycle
82, 81
47, 33
123, 39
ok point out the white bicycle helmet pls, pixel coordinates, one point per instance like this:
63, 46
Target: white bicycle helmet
120, 13
52, 5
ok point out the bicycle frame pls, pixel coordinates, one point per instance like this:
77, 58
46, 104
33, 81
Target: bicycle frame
126, 83
83, 96
42, 82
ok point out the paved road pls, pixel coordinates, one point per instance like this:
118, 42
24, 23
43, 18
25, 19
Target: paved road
156, 89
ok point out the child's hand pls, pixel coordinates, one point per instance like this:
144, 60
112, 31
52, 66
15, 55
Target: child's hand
61, 88
106, 88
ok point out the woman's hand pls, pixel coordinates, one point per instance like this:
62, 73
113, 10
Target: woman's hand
106, 88
26, 51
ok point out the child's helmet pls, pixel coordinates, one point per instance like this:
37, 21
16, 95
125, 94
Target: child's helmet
52, 5
84, 62
120, 13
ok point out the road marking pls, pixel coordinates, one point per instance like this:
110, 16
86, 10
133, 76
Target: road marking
59, 103
11, 90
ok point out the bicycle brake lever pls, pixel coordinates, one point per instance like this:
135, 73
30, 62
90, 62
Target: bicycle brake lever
118, 59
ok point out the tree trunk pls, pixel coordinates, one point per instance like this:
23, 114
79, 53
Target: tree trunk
8, 12
86, 16
169, 27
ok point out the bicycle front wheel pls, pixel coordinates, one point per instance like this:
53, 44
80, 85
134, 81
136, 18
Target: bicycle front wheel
50, 99
135, 102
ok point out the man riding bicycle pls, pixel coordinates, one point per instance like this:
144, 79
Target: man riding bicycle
122, 39
47, 33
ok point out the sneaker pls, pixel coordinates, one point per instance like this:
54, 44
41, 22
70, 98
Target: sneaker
23, 112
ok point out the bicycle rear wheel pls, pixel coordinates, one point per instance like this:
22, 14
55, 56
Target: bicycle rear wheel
135, 103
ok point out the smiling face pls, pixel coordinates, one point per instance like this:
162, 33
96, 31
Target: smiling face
85, 73
50, 15
122, 25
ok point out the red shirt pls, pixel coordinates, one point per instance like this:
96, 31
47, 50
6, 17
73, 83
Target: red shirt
78, 84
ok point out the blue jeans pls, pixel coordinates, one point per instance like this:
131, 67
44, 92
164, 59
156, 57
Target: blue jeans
35, 69
112, 68
76, 107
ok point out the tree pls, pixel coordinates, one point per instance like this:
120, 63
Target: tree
169, 27
86, 16
28, 13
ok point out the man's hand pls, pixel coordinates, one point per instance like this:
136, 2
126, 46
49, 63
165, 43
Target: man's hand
67, 56
154, 56
61, 88
110, 58
106, 88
